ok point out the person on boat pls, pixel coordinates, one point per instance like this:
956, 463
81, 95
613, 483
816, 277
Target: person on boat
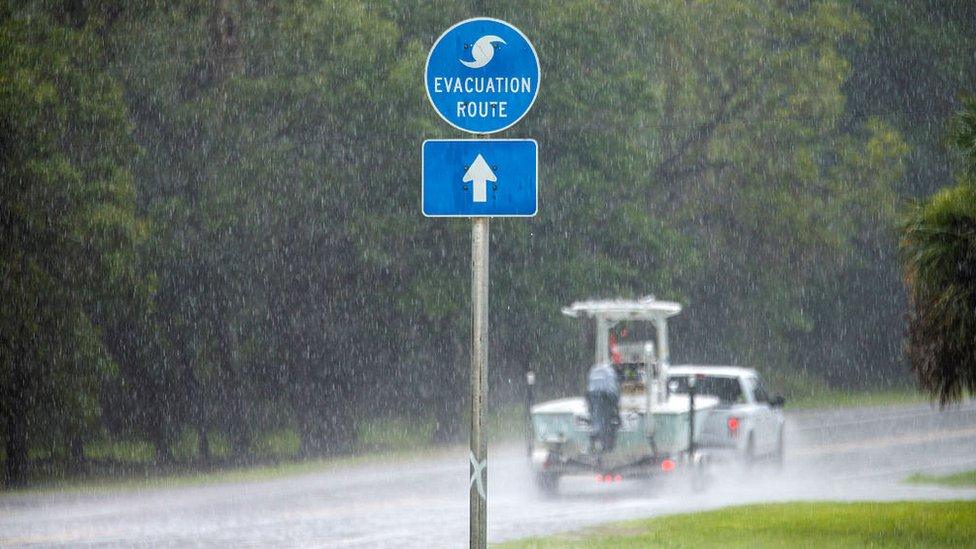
603, 401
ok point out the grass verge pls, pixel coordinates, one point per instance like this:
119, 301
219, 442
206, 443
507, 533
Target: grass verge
114, 465
179, 477
899, 524
965, 479
831, 398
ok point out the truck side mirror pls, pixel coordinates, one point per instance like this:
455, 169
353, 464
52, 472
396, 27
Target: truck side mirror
777, 401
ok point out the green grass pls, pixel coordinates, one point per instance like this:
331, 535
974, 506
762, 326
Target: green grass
836, 398
121, 451
504, 424
966, 479
180, 476
394, 434
900, 524
130, 464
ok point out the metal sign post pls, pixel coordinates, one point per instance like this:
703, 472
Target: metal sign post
481, 76
478, 496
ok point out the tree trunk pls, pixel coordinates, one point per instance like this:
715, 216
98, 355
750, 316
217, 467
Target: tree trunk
447, 415
162, 442
224, 54
339, 434
15, 466
449, 397
234, 393
76, 453
204, 446
311, 433
330, 431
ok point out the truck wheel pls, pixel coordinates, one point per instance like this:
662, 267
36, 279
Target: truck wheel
547, 483
749, 456
701, 477
780, 456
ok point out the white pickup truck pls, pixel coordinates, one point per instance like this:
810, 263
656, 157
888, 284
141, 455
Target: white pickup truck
747, 420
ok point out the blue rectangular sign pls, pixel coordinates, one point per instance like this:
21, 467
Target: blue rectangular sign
480, 178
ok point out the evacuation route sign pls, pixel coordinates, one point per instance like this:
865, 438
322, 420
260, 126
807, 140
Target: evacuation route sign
480, 178
482, 75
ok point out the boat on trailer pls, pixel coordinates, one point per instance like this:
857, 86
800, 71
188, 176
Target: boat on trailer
655, 428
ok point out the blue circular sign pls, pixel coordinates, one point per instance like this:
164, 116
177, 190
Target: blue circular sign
482, 75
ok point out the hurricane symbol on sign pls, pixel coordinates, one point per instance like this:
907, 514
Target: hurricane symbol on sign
482, 51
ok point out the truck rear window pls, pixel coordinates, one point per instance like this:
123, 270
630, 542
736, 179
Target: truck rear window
727, 389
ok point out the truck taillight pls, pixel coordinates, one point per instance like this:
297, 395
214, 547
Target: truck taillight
733, 426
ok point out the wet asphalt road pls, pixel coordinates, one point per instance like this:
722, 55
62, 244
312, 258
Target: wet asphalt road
852, 454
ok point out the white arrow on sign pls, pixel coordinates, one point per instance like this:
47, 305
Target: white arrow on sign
480, 173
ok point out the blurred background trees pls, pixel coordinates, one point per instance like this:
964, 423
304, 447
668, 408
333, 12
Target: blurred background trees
211, 232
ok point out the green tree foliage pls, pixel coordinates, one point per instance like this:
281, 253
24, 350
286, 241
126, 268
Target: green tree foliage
910, 62
265, 138
733, 184
68, 233
726, 158
939, 252
766, 180
962, 134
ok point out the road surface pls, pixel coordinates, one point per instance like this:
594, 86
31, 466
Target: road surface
837, 455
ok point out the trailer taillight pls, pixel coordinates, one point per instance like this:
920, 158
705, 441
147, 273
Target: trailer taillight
733, 426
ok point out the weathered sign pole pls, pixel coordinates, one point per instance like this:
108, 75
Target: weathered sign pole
480, 179
478, 506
